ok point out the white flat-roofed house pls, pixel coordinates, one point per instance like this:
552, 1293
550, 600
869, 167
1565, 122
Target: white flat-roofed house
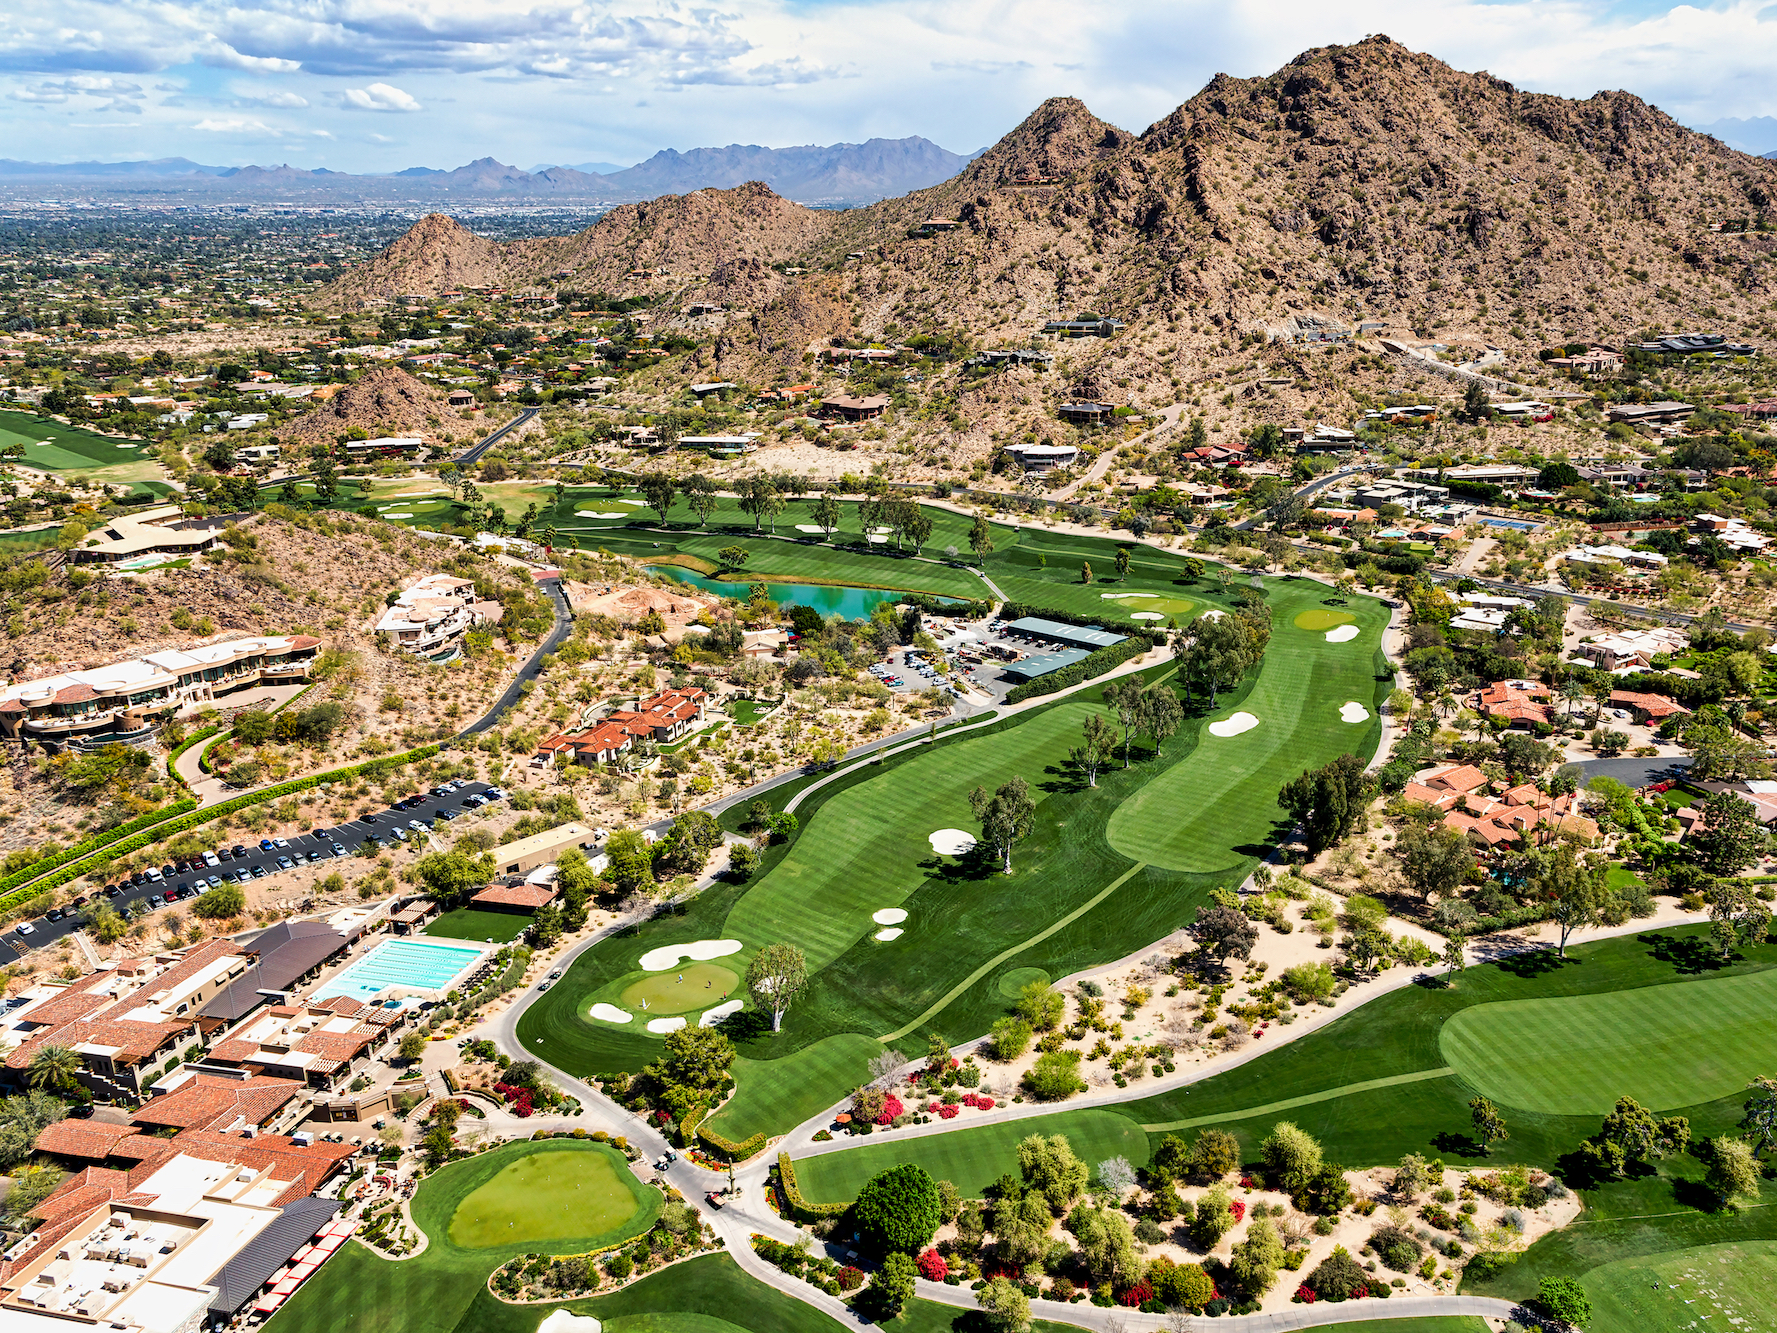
430, 618
115, 701
1043, 457
162, 530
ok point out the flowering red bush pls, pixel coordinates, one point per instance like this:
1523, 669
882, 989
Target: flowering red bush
949, 1112
1305, 1294
1360, 1293
849, 1278
1238, 1208
978, 1101
1246, 1182
891, 1108
932, 1266
1139, 1294
520, 1100
1000, 1268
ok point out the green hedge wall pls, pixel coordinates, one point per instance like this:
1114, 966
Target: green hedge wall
87, 847
1105, 659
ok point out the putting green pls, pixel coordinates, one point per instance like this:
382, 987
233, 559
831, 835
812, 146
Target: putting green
1181, 607
1020, 977
1667, 1046
696, 986
867, 849
1320, 618
1198, 815
551, 1194
1729, 1286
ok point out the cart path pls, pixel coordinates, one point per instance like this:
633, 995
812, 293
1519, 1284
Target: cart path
1307, 1099
1016, 949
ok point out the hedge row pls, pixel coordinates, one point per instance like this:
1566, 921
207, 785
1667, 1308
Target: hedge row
801, 1207
198, 818
970, 607
88, 846
1105, 659
734, 1152
688, 1126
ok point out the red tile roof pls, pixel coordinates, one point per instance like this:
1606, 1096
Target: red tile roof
1654, 705
92, 1140
515, 895
75, 694
1462, 779
204, 1102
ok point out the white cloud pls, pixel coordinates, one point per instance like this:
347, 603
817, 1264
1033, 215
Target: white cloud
378, 97
233, 125
279, 98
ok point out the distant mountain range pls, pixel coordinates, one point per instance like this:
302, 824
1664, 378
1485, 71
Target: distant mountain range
838, 173
1757, 135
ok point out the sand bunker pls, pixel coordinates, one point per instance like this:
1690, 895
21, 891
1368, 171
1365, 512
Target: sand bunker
1344, 634
889, 916
566, 1321
399, 513
881, 541
1146, 615
815, 528
666, 1024
1212, 614
951, 842
639, 504
1353, 712
1110, 596
892, 933
589, 513
659, 960
1233, 726
711, 1017
610, 1013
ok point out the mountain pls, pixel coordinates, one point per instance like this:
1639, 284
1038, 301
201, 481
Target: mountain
841, 171
1757, 135
165, 166
590, 168
388, 401
1363, 183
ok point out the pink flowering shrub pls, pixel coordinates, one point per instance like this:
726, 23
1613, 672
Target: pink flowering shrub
932, 1266
948, 1112
891, 1110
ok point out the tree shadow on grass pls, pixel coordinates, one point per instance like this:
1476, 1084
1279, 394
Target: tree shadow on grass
1532, 964
1460, 1144
975, 865
1689, 954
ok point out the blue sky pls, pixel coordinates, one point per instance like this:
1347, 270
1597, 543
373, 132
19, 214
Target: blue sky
371, 85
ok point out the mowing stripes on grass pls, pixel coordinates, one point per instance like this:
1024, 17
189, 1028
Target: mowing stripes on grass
1668, 1046
1200, 815
771, 1095
1014, 951
865, 851
970, 1159
468, 923
1730, 1285
1291, 1103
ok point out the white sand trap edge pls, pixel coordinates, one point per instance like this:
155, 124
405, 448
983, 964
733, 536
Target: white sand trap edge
892, 933
889, 916
639, 504
880, 541
1214, 613
666, 1024
1146, 615
699, 951
711, 1017
564, 1321
1233, 726
811, 527
1111, 596
1353, 712
590, 513
610, 1013
1343, 633
951, 842
398, 514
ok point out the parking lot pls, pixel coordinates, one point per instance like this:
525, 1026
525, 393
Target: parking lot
256, 860
976, 653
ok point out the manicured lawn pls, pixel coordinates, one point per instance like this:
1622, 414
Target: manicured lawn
1674, 1047
973, 1160
550, 1195
770, 1094
467, 923
748, 711
357, 1290
923, 1316
68, 448
680, 990
1231, 784
1078, 894
708, 1294
1728, 1285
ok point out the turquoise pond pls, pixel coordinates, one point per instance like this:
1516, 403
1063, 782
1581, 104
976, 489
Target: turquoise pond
827, 598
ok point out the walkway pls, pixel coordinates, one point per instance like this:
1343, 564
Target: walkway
1108, 455
564, 625
474, 452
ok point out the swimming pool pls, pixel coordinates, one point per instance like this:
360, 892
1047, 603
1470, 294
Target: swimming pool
403, 968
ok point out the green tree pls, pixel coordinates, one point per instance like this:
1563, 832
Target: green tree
700, 494
1085, 571
1107, 1245
1224, 932
54, 1068
1737, 915
1021, 1225
659, 490
1122, 562
1729, 837
452, 876
1161, 715
631, 860
104, 924
1760, 1115
1185, 1286
692, 1069
1564, 1300
1214, 1218
577, 881
413, 1046
1006, 1307
1011, 1038
1214, 1153
981, 540
1490, 1127
1291, 1157
1734, 1172
1055, 1076
1328, 802
1475, 405
1051, 1168
546, 925
22, 1119
222, 903
1005, 817
893, 1285
1256, 1259
1572, 886
775, 977
1096, 743
897, 1210
1435, 859
1041, 1005
733, 557
826, 513
1633, 1138
326, 475
743, 861
1124, 697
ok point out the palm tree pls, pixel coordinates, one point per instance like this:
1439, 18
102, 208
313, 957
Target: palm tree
53, 1068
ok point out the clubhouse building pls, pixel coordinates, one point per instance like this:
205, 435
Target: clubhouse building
1060, 645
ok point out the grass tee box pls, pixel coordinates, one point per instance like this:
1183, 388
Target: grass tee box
57, 448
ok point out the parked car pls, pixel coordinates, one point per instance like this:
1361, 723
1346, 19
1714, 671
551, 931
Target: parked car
260, 872
337, 849
26, 928
314, 854
285, 863
154, 876
280, 843
214, 881
239, 851
222, 854
212, 860
416, 825
265, 844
